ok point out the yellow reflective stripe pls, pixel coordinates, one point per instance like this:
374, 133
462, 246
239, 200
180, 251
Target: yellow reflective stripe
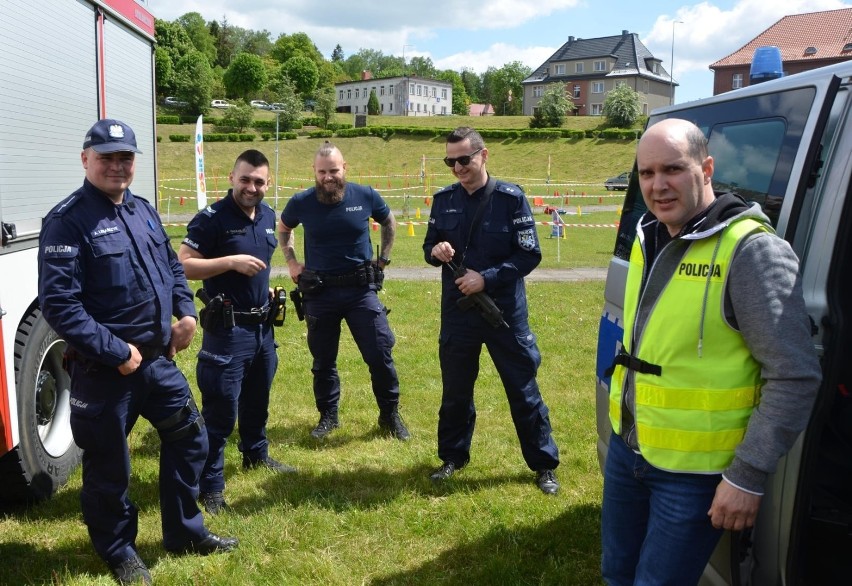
702, 399
688, 441
713, 462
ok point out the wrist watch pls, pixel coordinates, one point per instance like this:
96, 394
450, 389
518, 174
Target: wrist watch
385, 260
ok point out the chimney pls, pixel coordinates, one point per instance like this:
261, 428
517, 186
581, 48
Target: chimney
571, 39
366, 74
625, 33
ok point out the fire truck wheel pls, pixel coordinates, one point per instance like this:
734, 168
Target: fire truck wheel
47, 452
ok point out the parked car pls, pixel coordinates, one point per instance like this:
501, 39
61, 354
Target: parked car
618, 183
174, 102
221, 104
277, 106
260, 104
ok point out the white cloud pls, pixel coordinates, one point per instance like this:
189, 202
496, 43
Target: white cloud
707, 33
496, 55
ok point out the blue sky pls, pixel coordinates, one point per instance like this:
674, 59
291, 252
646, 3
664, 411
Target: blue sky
478, 34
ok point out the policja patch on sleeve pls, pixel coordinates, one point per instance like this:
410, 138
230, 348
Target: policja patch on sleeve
526, 239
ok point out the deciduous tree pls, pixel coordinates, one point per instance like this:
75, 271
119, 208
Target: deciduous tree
245, 75
552, 108
621, 106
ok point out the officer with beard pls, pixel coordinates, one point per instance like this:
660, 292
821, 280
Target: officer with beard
339, 280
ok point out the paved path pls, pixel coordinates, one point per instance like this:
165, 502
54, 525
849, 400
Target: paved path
434, 274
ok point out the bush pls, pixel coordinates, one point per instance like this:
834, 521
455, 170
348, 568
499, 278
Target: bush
181, 137
541, 133
320, 134
168, 119
289, 135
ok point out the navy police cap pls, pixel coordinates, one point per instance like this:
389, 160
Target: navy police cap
111, 136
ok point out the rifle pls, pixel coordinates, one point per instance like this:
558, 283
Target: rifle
481, 300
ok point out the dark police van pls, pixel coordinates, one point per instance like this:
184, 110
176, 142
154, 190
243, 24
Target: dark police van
787, 144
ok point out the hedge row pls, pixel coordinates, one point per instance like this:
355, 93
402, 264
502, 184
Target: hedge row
533, 133
281, 135
215, 137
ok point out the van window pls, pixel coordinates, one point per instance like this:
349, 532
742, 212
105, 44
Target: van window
745, 155
754, 141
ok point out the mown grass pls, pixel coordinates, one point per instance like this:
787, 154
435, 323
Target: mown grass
362, 510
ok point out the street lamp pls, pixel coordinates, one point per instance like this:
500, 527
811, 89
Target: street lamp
671, 73
405, 93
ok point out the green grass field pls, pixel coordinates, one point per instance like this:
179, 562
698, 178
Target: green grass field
405, 169
362, 510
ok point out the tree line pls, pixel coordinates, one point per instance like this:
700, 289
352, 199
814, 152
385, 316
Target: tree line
198, 61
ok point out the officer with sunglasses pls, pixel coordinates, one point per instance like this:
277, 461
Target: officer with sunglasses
483, 233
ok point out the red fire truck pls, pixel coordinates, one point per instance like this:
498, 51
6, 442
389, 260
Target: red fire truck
63, 65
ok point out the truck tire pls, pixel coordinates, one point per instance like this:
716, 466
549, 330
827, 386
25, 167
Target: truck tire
46, 454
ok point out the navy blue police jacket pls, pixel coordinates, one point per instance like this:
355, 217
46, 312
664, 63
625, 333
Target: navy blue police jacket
223, 229
503, 250
108, 275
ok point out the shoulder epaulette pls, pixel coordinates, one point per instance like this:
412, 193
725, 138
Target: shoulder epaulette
67, 203
510, 188
447, 189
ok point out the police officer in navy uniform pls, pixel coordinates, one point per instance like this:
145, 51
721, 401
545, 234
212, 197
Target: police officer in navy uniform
484, 229
338, 281
230, 245
109, 284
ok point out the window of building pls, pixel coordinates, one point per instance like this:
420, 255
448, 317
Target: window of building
382, 90
390, 107
645, 86
418, 107
537, 91
382, 107
356, 109
559, 69
737, 81
419, 90
576, 92
579, 67
357, 93
444, 94
341, 95
600, 65
444, 110
390, 90
597, 87
597, 109
411, 89
433, 108
348, 94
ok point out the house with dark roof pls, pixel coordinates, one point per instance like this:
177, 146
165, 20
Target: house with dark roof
591, 68
806, 41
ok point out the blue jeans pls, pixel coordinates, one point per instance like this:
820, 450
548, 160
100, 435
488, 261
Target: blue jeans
654, 524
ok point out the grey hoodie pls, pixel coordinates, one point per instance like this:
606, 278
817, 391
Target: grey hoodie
763, 300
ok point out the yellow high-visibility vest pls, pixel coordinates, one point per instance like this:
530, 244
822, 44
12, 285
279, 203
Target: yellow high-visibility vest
691, 417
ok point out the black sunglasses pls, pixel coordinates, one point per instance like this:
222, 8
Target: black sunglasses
463, 161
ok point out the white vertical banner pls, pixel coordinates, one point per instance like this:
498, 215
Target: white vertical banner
200, 181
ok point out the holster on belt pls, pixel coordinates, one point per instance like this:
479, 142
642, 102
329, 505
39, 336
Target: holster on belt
212, 314
309, 281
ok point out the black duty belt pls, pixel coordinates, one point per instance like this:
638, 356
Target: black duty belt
347, 280
251, 318
151, 352
632, 363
